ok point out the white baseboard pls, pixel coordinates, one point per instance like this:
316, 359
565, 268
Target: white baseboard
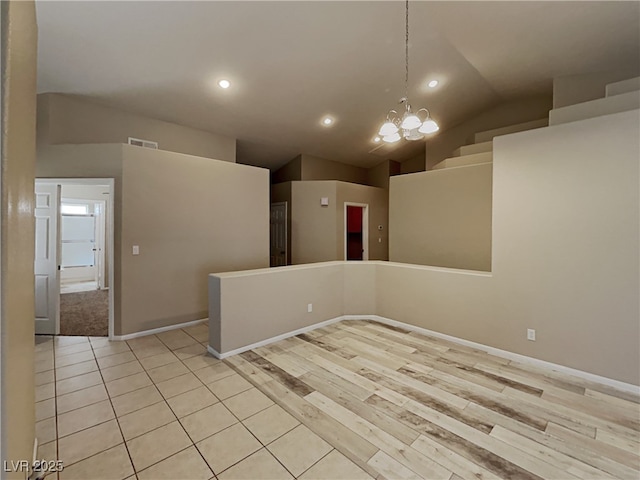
154, 331
35, 452
626, 387
277, 338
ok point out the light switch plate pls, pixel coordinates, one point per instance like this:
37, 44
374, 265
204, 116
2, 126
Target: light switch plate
136, 250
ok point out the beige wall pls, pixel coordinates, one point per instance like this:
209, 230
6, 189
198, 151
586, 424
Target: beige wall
565, 261
189, 216
442, 218
244, 324
378, 202
313, 227
289, 172
565, 254
378, 175
566, 236
279, 299
19, 43
359, 294
314, 168
572, 89
441, 145
415, 164
317, 232
310, 168
64, 119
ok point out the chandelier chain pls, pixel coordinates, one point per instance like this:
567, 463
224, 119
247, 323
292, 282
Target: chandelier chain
406, 52
408, 124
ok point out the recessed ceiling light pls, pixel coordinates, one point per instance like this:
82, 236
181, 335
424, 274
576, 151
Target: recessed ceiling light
224, 83
377, 139
433, 83
326, 121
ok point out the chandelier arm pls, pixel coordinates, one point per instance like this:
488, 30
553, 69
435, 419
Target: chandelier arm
426, 110
395, 118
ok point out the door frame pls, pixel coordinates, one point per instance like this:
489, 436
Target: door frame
365, 229
109, 232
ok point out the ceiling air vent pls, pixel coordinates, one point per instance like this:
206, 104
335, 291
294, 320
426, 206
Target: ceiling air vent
143, 143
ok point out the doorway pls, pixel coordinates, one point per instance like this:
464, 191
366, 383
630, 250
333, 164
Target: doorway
356, 228
74, 260
278, 231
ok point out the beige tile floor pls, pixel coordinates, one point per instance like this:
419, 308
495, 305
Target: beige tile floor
160, 407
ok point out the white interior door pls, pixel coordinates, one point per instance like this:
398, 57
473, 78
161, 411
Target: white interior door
278, 226
47, 279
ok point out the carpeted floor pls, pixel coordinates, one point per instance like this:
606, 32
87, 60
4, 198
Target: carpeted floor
85, 313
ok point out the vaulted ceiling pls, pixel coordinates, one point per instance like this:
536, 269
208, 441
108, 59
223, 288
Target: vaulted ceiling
293, 62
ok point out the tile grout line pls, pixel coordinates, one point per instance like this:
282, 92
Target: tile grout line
193, 444
227, 408
165, 400
249, 430
115, 416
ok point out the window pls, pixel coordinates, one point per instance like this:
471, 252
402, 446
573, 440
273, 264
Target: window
71, 209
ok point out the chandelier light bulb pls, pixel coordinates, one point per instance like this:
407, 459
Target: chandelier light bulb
224, 83
391, 138
410, 121
388, 128
429, 126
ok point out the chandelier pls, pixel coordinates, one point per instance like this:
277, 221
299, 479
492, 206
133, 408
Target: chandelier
409, 125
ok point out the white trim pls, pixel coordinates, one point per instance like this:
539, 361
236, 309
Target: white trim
154, 331
277, 338
365, 229
36, 444
216, 354
625, 387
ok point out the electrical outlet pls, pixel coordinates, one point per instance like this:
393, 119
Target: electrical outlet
310, 308
531, 334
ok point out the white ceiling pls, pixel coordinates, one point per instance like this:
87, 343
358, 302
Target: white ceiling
291, 63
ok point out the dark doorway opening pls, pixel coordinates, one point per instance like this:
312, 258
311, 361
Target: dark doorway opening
355, 246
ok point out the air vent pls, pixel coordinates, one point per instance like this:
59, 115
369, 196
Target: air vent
143, 143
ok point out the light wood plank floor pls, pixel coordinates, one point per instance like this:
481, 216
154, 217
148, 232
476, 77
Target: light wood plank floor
403, 405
